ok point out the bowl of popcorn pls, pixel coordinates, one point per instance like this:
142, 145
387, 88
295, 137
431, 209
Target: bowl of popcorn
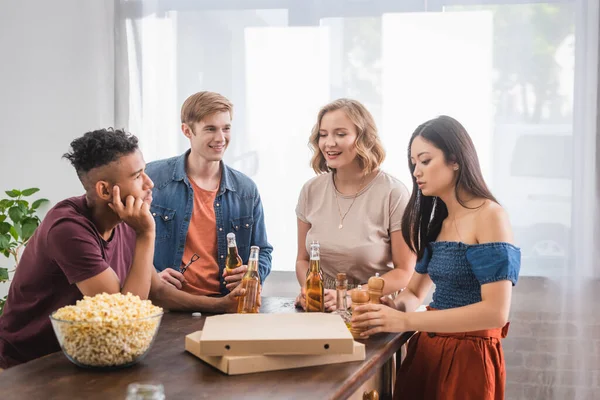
107, 331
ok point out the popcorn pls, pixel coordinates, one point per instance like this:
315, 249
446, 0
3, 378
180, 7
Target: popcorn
107, 329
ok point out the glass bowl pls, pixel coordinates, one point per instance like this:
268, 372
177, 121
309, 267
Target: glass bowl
106, 344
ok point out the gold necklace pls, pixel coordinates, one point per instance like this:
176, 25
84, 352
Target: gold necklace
341, 225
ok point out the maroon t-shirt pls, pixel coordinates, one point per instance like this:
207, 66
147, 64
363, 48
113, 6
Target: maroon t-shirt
65, 249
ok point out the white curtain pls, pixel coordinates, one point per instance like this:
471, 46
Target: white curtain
523, 78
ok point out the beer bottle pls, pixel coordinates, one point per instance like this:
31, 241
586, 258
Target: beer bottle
233, 259
315, 298
248, 303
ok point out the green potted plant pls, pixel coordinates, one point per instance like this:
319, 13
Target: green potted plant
18, 221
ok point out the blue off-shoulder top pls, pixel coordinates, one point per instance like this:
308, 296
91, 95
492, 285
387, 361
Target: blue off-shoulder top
458, 270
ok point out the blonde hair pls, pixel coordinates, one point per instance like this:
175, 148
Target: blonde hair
369, 149
201, 104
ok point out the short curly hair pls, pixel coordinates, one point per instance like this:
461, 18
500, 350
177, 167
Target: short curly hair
100, 147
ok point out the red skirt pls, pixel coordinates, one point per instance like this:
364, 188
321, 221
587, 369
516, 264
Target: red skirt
466, 365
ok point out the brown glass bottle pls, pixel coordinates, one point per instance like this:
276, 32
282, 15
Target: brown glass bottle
233, 259
315, 298
248, 303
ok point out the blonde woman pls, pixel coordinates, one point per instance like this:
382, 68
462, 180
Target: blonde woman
352, 207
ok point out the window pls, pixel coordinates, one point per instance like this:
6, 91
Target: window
506, 71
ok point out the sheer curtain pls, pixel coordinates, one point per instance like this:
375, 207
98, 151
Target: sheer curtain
523, 79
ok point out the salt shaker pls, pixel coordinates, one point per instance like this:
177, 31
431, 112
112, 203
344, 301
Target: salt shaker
359, 297
376, 284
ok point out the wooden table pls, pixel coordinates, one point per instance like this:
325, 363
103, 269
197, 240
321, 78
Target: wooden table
186, 377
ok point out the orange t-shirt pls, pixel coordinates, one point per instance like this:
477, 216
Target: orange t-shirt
202, 275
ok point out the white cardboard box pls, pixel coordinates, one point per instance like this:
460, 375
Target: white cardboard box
269, 334
235, 365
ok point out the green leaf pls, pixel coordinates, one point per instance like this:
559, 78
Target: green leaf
4, 242
15, 214
5, 203
23, 203
4, 227
2, 304
13, 193
29, 226
17, 227
5, 252
33, 220
36, 204
14, 233
24, 209
2, 218
3, 274
30, 191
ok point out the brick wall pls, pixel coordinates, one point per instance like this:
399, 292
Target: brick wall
553, 347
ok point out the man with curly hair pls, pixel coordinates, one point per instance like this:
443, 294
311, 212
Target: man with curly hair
198, 200
102, 241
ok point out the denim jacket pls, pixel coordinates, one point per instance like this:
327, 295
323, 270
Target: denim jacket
238, 209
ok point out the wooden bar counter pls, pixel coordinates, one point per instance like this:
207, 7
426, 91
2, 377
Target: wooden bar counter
186, 377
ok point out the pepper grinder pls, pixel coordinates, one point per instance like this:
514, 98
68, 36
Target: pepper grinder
376, 284
359, 297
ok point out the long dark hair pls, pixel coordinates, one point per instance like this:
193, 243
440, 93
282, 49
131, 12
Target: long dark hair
422, 220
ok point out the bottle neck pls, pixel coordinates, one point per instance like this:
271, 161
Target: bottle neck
231, 243
253, 259
315, 253
314, 265
252, 266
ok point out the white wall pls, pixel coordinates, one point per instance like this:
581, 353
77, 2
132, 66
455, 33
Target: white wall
56, 83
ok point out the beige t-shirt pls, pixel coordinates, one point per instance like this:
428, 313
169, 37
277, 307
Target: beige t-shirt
362, 247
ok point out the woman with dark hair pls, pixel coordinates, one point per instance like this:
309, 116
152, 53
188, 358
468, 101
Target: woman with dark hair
462, 238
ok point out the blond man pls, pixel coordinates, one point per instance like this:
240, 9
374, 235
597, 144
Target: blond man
198, 200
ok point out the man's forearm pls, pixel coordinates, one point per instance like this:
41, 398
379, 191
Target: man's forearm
264, 267
166, 296
259, 238
138, 280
